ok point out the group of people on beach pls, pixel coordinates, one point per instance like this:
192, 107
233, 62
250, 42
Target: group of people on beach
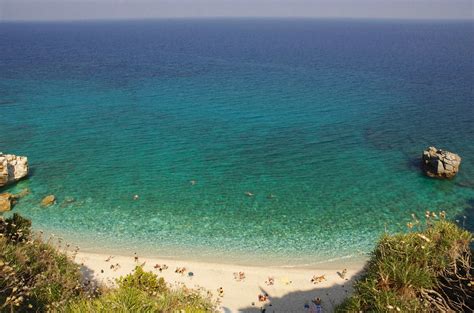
240, 276
160, 267
180, 270
313, 307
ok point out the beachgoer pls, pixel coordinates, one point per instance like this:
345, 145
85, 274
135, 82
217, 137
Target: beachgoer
343, 273
220, 291
316, 306
239, 276
318, 279
263, 298
270, 281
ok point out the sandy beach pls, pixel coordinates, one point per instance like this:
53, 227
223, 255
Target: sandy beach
291, 290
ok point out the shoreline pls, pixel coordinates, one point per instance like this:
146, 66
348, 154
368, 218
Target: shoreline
291, 291
254, 258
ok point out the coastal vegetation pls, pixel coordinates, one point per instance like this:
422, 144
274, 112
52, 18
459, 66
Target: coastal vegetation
37, 277
143, 291
34, 276
428, 269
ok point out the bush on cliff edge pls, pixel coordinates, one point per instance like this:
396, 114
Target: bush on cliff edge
36, 277
429, 270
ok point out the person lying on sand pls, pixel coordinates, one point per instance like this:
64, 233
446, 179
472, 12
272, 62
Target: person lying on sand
115, 267
270, 281
318, 279
263, 298
343, 273
161, 267
239, 276
220, 292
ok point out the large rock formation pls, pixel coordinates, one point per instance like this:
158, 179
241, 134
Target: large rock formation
12, 168
439, 163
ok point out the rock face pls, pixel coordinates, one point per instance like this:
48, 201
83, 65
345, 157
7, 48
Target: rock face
12, 168
439, 163
48, 200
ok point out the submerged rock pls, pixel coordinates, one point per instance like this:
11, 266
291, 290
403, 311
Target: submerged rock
12, 168
68, 201
22, 193
6, 201
48, 200
440, 163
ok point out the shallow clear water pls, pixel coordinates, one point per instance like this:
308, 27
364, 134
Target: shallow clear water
329, 117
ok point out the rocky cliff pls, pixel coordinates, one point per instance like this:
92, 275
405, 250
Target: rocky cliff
12, 168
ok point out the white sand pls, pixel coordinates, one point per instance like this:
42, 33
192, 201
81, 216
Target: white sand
291, 291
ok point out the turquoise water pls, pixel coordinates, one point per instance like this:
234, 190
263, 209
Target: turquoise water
328, 117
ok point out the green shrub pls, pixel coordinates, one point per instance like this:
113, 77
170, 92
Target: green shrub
34, 276
134, 300
144, 281
119, 300
15, 228
424, 271
144, 292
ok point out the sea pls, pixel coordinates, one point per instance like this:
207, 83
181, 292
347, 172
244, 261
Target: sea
286, 142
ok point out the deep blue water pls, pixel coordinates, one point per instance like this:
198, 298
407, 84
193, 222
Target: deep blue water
327, 116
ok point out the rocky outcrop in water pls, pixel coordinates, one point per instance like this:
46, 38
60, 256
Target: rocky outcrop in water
440, 163
12, 168
48, 200
7, 200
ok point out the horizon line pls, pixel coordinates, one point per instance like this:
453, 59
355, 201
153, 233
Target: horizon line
221, 17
